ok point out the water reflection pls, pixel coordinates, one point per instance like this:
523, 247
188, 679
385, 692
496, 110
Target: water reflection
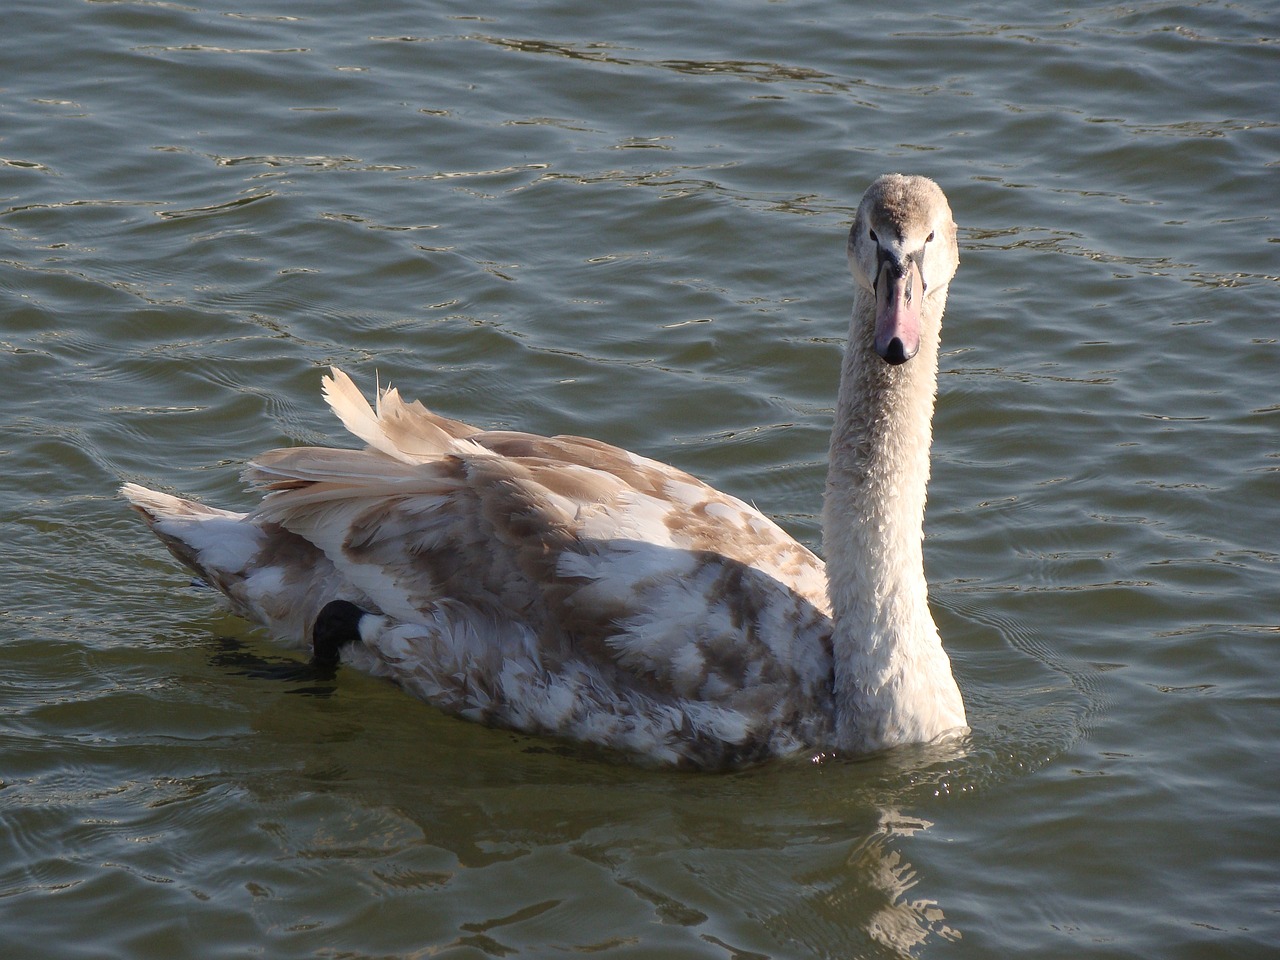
489, 839
869, 895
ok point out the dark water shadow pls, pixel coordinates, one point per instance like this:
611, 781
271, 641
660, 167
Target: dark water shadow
307, 678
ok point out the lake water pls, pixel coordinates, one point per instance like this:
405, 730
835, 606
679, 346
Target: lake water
628, 221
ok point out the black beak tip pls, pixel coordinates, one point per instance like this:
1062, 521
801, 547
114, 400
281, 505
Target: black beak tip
895, 352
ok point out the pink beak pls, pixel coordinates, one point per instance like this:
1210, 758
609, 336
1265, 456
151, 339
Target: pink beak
898, 298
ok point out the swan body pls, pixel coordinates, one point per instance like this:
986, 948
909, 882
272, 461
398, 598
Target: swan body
564, 586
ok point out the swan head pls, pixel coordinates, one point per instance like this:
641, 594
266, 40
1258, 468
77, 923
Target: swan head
902, 250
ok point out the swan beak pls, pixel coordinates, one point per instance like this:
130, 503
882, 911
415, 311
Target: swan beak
899, 293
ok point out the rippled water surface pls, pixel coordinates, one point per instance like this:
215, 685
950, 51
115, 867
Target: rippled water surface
628, 221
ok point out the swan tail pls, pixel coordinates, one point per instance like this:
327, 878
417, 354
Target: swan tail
267, 574
216, 544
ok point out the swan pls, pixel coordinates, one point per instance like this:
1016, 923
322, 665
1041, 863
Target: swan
565, 587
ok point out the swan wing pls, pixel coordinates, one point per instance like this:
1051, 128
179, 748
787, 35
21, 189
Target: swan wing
601, 553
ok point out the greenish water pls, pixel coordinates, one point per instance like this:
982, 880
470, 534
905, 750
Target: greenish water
629, 223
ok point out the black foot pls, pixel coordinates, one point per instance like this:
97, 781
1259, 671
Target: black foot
337, 624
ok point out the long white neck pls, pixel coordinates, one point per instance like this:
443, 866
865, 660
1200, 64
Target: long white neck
893, 681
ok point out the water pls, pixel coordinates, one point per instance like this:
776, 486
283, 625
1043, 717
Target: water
629, 223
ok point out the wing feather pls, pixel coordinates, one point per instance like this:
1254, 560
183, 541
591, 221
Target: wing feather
403, 431
633, 564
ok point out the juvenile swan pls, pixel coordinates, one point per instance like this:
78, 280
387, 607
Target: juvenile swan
564, 586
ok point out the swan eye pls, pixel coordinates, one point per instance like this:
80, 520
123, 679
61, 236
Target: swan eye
929, 238
872, 235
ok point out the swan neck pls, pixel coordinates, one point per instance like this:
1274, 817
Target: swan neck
890, 669
878, 475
